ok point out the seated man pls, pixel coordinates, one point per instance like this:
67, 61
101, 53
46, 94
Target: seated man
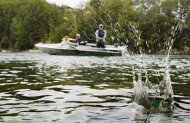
78, 40
100, 37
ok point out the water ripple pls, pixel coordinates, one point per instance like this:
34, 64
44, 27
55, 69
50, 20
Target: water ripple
36, 87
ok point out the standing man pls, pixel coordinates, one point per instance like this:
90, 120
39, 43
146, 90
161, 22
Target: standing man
100, 37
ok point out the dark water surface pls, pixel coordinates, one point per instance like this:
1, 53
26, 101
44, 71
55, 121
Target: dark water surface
36, 87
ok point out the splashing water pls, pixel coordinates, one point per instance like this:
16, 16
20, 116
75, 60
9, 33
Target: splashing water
154, 97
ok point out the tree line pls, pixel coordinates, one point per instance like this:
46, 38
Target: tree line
143, 25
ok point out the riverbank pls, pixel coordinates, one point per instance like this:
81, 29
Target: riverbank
186, 51
161, 52
35, 50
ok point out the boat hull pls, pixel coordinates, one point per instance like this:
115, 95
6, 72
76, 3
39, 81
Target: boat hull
77, 51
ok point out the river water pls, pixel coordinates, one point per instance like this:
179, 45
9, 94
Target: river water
37, 87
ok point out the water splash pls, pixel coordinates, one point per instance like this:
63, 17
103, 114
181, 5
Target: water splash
154, 97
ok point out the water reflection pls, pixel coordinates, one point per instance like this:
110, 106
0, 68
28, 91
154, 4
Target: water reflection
43, 88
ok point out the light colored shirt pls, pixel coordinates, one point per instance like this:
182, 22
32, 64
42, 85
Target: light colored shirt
96, 33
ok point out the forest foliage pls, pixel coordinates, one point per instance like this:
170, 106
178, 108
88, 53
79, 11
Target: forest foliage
139, 24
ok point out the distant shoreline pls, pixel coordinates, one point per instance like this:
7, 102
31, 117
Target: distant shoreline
35, 50
30, 51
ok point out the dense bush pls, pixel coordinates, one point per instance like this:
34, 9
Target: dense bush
144, 25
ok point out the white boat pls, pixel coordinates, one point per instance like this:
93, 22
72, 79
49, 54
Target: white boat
69, 48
